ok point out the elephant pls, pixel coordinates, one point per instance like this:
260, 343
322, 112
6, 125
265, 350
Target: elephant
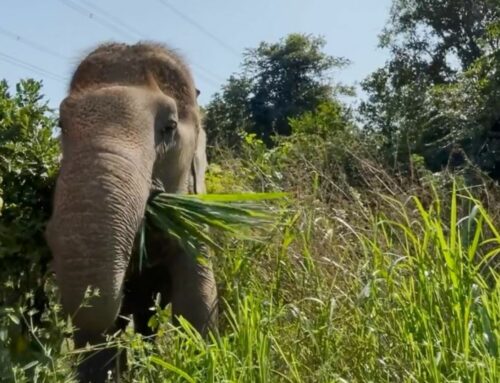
130, 126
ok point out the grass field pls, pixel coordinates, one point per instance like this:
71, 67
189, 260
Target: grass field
401, 291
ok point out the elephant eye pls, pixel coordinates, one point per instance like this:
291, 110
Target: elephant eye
170, 125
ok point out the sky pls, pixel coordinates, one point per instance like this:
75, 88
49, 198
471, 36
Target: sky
46, 39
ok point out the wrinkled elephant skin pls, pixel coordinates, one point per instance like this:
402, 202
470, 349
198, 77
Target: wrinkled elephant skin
129, 125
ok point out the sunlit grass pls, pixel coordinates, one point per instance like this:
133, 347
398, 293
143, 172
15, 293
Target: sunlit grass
422, 304
408, 294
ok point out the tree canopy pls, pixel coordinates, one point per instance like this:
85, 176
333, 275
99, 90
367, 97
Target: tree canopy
443, 61
279, 81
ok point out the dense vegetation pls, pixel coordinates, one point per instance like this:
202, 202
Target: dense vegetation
383, 265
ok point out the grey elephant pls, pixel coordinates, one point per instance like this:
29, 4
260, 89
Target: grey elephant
130, 125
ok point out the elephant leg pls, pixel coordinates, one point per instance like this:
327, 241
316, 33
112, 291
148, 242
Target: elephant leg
141, 319
141, 292
193, 291
95, 364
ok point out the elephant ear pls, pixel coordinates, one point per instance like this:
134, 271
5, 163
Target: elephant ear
199, 165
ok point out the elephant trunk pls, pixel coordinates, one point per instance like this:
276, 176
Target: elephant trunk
99, 203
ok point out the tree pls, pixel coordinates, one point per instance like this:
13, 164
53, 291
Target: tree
279, 81
227, 115
28, 163
434, 37
432, 43
466, 115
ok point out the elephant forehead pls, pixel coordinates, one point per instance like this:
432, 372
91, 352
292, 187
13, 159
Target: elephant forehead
121, 64
102, 105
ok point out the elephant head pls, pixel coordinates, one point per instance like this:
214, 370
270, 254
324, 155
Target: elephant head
130, 124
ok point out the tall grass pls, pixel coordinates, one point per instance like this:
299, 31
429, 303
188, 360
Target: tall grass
413, 298
404, 291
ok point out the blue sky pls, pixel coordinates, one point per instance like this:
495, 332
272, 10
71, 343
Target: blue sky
53, 35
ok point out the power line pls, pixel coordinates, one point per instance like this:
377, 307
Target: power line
203, 77
100, 20
93, 10
114, 19
32, 44
31, 67
126, 26
208, 72
201, 28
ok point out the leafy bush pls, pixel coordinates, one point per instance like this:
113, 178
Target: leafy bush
325, 149
28, 163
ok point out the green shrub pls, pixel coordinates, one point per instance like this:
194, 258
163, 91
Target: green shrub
28, 163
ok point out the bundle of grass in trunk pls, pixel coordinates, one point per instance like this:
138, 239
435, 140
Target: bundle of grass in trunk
187, 217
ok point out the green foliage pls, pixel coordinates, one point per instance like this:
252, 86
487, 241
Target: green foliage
279, 81
28, 162
228, 116
438, 289
464, 117
435, 96
325, 149
427, 37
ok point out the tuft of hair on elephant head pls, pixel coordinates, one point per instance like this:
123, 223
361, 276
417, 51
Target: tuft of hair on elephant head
130, 125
